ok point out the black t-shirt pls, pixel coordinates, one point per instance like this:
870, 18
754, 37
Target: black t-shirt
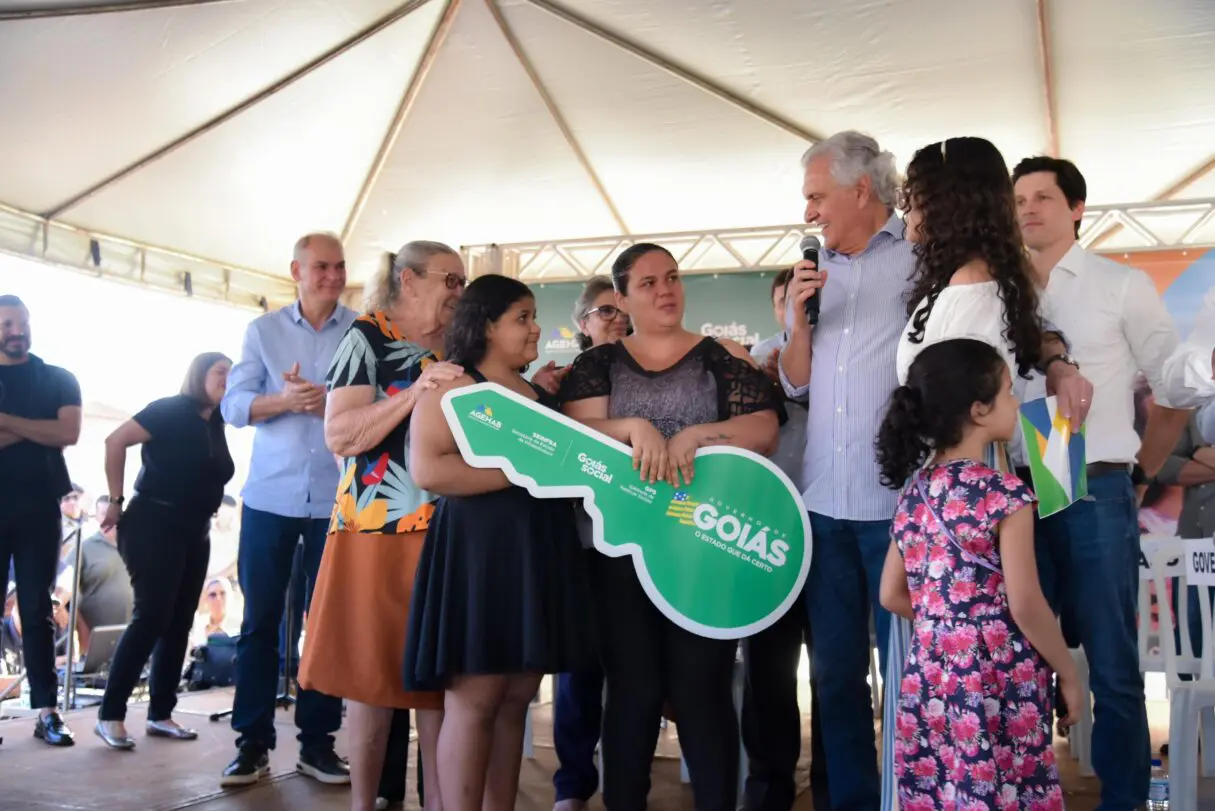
186, 463
35, 391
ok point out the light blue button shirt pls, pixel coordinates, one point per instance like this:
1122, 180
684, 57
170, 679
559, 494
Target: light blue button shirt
861, 318
292, 473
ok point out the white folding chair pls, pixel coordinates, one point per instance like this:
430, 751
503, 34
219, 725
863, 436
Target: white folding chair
1190, 702
1151, 657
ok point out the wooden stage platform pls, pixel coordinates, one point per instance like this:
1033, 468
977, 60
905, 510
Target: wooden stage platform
162, 775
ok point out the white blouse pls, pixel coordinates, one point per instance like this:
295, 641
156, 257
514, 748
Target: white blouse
960, 311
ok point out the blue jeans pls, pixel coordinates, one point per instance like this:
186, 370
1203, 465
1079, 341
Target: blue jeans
841, 596
267, 546
577, 722
1088, 562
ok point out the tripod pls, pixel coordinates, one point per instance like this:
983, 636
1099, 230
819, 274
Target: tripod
288, 639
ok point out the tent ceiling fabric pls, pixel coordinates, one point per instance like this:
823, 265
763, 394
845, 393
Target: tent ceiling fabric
480, 158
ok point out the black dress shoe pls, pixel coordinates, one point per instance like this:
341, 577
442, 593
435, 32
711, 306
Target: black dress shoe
251, 764
54, 730
324, 766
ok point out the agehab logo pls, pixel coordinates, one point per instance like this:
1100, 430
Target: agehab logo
730, 529
485, 414
734, 331
562, 339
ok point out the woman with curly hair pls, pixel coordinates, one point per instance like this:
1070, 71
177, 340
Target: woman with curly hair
973, 279
973, 276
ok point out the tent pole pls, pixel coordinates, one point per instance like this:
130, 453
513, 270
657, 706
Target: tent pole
379, 25
686, 74
41, 12
425, 62
1047, 64
554, 111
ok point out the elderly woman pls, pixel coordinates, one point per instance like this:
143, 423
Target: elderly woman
599, 319
164, 539
357, 623
666, 392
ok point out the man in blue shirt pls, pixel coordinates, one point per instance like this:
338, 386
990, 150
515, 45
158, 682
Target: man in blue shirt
279, 387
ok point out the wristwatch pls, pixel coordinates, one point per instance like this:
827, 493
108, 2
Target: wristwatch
1060, 358
118, 500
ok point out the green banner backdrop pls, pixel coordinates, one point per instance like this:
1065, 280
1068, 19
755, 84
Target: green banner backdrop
726, 305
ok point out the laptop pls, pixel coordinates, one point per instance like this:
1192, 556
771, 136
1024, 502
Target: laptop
102, 643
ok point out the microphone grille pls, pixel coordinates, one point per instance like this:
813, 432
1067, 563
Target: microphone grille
810, 243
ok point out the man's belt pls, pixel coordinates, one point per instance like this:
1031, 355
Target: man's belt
1093, 470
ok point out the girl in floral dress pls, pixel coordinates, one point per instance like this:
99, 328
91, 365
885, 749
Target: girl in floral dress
973, 729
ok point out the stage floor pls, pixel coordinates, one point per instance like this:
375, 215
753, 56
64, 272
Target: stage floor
162, 775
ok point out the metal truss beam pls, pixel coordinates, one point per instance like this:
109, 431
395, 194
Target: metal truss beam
1174, 225
29, 236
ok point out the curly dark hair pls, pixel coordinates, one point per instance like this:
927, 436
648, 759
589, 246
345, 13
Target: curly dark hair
933, 409
963, 191
484, 301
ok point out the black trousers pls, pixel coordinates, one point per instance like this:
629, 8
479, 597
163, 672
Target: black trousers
31, 536
396, 761
771, 717
646, 659
166, 554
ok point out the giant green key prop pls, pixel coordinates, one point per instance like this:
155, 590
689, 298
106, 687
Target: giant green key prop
723, 558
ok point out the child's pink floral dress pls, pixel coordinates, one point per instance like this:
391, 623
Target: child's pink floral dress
974, 721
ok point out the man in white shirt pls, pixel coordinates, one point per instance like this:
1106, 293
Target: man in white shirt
1188, 374
1088, 554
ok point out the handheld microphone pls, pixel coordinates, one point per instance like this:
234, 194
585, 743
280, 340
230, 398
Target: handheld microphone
810, 246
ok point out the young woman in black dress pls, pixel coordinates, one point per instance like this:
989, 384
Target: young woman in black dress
500, 596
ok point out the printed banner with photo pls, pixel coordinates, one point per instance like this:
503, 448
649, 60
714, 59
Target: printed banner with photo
1183, 279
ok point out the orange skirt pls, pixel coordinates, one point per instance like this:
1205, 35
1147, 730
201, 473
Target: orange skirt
355, 644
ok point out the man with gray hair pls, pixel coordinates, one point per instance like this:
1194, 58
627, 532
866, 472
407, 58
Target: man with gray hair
278, 386
850, 188
864, 278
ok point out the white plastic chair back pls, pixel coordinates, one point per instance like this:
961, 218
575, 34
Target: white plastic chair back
1152, 643
1180, 660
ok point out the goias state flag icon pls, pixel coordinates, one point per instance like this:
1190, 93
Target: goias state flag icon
723, 557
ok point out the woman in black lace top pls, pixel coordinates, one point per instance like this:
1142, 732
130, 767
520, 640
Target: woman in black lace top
666, 392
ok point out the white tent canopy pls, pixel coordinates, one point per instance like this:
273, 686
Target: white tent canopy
223, 130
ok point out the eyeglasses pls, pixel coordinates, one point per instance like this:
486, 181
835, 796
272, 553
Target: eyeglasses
454, 281
607, 312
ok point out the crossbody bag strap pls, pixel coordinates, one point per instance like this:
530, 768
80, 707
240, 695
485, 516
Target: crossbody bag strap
970, 558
